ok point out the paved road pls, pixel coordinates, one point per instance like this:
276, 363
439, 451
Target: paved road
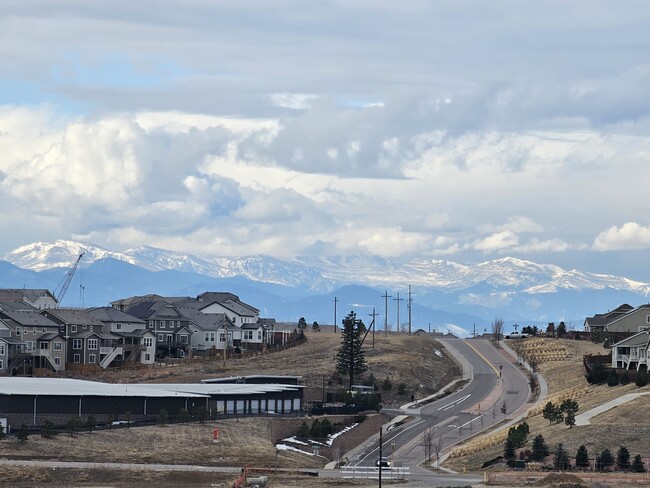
459, 415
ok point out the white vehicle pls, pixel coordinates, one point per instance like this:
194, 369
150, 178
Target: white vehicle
516, 335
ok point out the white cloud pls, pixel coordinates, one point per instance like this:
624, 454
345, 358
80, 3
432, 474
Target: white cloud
516, 224
629, 236
499, 241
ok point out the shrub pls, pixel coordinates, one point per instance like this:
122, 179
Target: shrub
582, 457
163, 417
625, 378
48, 431
612, 378
401, 389
23, 434
641, 378
303, 431
91, 423
387, 385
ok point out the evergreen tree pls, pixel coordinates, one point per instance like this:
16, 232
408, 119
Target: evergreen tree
569, 405
183, 415
163, 417
303, 431
606, 459
23, 434
326, 428
623, 458
540, 449
302, 323
351, 359
387, 385
519, 435
570, 418
582, 457
637, 464
48, 431
561, 330
641, 378
625, 378
315, 327
509, 450
2, 431
315, 431
549, 412
91, 423
561, 459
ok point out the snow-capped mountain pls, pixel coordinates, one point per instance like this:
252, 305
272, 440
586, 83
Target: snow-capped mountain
327, 273
447, 294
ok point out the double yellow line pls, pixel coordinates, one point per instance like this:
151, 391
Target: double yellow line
496, 371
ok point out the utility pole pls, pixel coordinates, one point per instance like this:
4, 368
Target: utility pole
410, 302
373, 315
335, 301
398, 299
386, 296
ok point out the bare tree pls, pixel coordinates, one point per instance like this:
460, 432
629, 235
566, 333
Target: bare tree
519, 349
437, 447
427, 441
497, 330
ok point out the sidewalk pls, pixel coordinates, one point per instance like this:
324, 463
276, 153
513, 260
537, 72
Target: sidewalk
584, 418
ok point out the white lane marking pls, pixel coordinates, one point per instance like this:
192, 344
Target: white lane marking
454, 403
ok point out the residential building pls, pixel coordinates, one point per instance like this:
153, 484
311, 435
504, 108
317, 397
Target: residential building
633, 352
37, 298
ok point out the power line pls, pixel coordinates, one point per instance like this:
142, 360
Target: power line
386, 296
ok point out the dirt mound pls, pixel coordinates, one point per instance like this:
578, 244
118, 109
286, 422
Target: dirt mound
561, 480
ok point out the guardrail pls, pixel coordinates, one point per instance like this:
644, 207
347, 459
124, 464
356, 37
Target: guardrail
371, 472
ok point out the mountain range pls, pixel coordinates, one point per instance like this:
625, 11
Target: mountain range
445, 295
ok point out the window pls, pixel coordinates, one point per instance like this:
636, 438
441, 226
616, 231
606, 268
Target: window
161, 337
92, 344
248, 335
183, 339
44, 330
170, 338
2, 349
147, 342
57, 361
207, 337
77, 344
2, 363
212, 336
83, 327
44, 345
57, 345
118, 326
24, 330
77, 358
151, 324
73, 328
163, 324
31, 345
92, 358
90, 327
647, 319
17, 331
222, 337
34, 330
259, 335
147, 357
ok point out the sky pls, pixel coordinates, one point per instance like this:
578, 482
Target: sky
454, 130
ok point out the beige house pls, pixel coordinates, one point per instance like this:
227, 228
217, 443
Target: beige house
632, 353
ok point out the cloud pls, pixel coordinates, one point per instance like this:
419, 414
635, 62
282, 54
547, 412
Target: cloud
496, 242
629, 236
516, 224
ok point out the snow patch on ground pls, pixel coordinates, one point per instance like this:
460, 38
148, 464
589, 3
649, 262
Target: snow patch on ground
285, 447
437, 352
331, 437
294, 440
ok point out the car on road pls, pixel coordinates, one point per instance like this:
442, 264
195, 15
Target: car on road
383, 462
516, 335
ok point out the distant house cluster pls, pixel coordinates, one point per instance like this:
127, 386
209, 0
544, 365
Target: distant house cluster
630, 324
36, 333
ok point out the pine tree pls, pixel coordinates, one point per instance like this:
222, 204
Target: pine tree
509, 450
623, 458
561, 459
637, 464
351, 359
570, 419
641, 378
549, 412
606, 459
582, 457
23, 434
540, 449
303, 430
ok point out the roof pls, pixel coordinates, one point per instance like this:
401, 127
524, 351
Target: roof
223, 388
28, 318
32, 294
74, 316
204, 321
110, 314
12, 340
210, 297
135, 333
638, 339
49, 336
71, 387
251, 326
16, 305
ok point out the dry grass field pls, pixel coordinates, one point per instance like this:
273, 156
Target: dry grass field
246, 441
564, 373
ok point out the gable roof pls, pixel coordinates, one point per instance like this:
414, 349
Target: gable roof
639, 339
72, 316
32, 294
28, 318
110, 314
204, 321
221, 297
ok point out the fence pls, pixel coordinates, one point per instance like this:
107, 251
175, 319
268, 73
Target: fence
370, 472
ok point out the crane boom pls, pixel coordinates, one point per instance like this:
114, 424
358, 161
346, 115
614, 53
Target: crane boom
68, 278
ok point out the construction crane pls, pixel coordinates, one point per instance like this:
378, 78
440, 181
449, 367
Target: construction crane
65, 283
